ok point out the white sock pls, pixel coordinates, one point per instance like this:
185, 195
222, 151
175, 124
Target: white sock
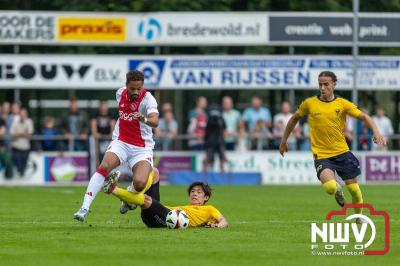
95, 184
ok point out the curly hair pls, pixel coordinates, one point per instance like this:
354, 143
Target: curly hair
134, 75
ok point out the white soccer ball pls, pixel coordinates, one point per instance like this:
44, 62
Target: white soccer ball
177, 219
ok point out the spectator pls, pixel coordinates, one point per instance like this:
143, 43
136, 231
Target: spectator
214, 139
201, 106
384, 125
260, 135
166, 107
5, 158
102, 125
348, 131
364, 134
21, 131
49, 130
232, 121
304, 137
75, 126
197, 125
242, 141
254, 113
9, 118
280, 121
15, 111
5, 110
166, 131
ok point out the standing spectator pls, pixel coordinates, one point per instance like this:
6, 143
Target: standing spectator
197, 124
49, 130
75, 126
304, 137
214, 139
102, 125
5, 158
21, 131
15, 111
348, 131
256, 112
166, 107
5, 110
260, 135
384, 125
232, 121
280, 121
166, 131
364, 134
9, 118
201, 106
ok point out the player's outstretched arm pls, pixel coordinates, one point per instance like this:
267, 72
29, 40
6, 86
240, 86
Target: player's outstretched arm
283, 147
377, 137
221, 223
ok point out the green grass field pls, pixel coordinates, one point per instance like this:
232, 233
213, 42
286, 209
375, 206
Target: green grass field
269, 225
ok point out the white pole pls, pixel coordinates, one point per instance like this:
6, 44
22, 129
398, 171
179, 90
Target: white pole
354, 94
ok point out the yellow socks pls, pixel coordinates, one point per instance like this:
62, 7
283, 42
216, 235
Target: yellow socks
330, 187
130, 197
134, 197
149, 181
356, 195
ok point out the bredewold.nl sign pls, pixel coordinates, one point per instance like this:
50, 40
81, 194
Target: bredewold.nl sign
197, 28
195, 72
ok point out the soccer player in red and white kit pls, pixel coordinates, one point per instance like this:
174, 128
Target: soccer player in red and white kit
132, 140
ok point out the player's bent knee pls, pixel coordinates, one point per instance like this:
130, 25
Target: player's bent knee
330, 187
139, 185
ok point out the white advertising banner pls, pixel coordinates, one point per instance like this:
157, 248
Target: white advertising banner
34, 173
195, 72
193, 28
66, 71
144, 29
294, 168
197, 28
27, 27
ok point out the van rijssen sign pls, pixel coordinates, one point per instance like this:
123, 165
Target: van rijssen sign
195, 72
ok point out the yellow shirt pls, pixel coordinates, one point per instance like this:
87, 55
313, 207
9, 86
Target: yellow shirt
199, 214
327, 121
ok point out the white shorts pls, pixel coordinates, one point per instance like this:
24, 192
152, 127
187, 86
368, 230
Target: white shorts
130, 153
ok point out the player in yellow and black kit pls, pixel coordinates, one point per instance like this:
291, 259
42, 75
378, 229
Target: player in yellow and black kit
154, 213
327, 119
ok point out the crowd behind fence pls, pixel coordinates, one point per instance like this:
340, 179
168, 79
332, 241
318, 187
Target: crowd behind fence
252, 129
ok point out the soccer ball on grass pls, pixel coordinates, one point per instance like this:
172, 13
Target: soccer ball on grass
177, 219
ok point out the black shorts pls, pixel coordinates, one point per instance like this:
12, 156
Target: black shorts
156, 214
346, 165
213, 149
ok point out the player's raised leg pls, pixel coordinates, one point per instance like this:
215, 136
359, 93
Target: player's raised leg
132, 197
327, 178
109, 162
